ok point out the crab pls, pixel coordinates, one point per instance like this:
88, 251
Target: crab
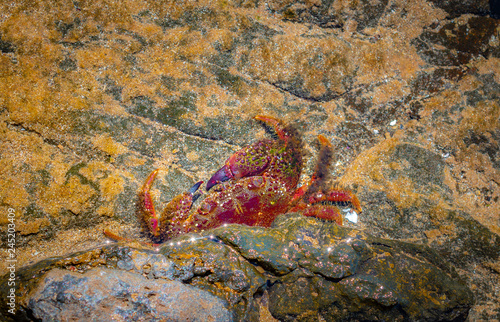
255, 185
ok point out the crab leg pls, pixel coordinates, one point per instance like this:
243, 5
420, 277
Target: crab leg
311, 198
276, 124
116, 237
320, 173
149, 216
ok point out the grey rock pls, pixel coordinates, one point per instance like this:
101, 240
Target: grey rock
102, 294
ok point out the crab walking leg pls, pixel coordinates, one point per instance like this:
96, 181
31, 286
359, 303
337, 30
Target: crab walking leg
115, 237
147, 208
311, 198
337, 196
148, 213
322, 205
318, 178
276, 124
326, 212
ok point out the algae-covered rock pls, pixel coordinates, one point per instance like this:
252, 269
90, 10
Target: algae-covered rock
94, 95
304, 268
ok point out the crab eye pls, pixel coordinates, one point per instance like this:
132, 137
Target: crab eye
206, 207
256, 183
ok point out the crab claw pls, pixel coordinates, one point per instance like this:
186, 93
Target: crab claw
195, 187
223, 174
250, 161
177, 208
149, 213
254, 159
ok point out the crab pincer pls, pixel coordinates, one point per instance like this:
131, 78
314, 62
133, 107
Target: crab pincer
254, 159
178, 208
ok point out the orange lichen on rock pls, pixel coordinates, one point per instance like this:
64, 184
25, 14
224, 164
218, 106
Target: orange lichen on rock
108, 145
111, 186
376, 169
490, 66
72, 196
32, 226
368, 167
287, 57
390, 91
482, 118
403, 192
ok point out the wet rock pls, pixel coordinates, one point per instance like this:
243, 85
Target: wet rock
456, 8
419, 204
303, 266
455, 43
101, 293
347, 274
95, 95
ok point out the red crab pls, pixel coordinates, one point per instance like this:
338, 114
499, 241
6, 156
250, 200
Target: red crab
255, 185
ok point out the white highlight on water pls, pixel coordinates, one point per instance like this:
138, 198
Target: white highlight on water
351, 215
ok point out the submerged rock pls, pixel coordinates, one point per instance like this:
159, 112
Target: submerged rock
300, 269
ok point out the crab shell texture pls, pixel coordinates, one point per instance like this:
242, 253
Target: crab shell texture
255, 185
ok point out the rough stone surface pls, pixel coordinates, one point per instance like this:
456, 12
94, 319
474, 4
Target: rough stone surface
94, 95
300, 269
102, 294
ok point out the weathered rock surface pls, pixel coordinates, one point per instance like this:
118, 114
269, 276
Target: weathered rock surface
96, 94
304, 269
102, 294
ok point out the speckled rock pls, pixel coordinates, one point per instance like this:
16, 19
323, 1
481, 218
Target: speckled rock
303, 267
456, 8
331, 273
94, 95
101, 294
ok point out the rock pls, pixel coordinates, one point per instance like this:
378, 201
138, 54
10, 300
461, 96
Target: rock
456, 8
304, 268
455, 43
338, 274
101, 293
328, 14
94, 95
